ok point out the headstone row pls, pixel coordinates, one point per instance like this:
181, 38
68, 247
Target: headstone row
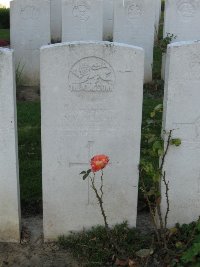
81, 117
81, 20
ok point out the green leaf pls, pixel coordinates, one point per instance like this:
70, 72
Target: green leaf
157, 146
160, 152
156, 177
85, 176
198, 226
152, 114
89, 171
152, 139
176, 142
83, 172
158, 107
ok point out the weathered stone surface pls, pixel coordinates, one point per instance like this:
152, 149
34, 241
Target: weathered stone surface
134, 23
82, 20
182, 115
56, 20
91, 104
182, 18
30, 29
9, 184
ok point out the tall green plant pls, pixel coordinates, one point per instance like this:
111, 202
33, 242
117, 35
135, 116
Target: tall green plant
155, 172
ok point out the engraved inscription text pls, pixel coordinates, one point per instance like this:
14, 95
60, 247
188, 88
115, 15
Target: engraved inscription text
81, 10
29, 12
91, 74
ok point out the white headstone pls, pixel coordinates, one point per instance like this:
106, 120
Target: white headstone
91, 104
134, 23
108, 20
182, 18
9, 183
82, 20
30, 29
182, 115
56, 20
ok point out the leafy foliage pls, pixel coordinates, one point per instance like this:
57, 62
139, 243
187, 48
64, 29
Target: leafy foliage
163, 43
186, 245
152, 148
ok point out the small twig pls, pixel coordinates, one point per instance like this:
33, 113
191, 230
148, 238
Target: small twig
162, 229
152, 211
100, 200
163, 225
167, 198
166, 151
101, 188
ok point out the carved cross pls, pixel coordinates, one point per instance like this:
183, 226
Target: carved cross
85, 163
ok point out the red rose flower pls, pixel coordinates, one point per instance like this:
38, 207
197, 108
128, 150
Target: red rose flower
99, 162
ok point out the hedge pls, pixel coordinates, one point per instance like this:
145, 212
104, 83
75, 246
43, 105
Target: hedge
4, 18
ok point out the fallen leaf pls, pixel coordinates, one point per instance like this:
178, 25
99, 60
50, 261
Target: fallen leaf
173, 231
93, 239
144, 253
132, 263
121, 262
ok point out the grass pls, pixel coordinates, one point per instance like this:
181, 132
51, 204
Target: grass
91, 248
5, 34
30, 155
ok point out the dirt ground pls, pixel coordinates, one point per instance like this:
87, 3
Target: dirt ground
33, 252
25, 93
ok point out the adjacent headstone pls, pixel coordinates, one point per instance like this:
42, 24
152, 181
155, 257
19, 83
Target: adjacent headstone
182, 18
9, 183
30, 29
108, 20
134, 23
56, 20
182, 115
82, 20
91, 104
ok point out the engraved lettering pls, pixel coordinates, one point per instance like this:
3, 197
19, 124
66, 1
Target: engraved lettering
186, 8
81, 10
29, 12
91, 74
134, 10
